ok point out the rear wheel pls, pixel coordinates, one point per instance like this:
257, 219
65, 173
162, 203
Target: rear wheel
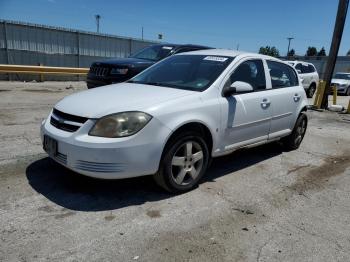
311, 91
293, 141
348, 91
183, 164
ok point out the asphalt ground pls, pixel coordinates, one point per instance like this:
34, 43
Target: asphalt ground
259, 204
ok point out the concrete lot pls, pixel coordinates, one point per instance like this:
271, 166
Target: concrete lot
261, 204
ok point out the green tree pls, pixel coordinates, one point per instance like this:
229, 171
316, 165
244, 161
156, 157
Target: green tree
348, 53
311, 51
291, 52
271, 51
322, 52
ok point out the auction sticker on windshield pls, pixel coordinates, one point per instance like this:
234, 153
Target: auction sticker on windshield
215, 58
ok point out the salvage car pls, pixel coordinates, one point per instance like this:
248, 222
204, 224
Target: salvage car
118, 70
308, 75
171, 119
342, 82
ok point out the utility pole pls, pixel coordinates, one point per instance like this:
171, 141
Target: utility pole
98, 17
289, 39
142, 33
237, 47
333, 52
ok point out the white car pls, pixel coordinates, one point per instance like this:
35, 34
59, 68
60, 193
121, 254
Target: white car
172, 118
342, 82
308, 75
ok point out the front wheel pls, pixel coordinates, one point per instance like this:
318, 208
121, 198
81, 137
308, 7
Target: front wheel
293, 141
183, 164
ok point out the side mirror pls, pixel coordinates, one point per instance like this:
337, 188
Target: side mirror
236, 88
299, 71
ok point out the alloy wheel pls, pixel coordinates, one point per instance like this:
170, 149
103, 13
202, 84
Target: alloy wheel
300, 132
187, 163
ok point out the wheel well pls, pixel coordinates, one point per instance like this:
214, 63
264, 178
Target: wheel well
304, 109
313, 84
195, 127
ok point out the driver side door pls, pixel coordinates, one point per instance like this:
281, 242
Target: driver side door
246, 117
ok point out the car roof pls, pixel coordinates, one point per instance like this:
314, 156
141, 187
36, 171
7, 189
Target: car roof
230, 53
176, 46
298, 61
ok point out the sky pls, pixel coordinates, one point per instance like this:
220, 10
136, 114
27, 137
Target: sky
243, 24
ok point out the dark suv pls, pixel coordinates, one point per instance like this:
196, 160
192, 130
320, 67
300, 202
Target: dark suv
119, 70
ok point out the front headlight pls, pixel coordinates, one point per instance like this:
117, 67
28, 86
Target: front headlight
120, 124
119, 71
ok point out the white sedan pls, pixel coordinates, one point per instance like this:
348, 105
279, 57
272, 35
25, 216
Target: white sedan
172, 118
342, 82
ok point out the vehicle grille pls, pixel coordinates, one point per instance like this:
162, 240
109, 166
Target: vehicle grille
99, 70
61, 158
98, 167
66, 122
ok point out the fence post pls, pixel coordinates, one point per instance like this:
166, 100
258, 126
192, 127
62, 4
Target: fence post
130, 47
41, 75
78, 51
6, 49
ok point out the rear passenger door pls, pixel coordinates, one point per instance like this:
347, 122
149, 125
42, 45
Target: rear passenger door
285, 98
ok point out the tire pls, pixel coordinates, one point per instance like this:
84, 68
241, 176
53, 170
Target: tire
293, 141
183, 164
347, 93
311, 91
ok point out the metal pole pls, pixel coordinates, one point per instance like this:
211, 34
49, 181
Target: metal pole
289, 39
333, 53
98, 17
142, 34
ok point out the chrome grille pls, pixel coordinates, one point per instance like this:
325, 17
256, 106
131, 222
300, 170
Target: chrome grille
66, 122
98, 167
99, 70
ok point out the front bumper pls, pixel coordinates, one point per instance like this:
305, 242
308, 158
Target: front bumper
109, 158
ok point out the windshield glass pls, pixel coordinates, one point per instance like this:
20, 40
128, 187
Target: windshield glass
190, 72
153, 53
342, 76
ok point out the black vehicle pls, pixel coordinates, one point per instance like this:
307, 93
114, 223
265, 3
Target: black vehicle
119, 70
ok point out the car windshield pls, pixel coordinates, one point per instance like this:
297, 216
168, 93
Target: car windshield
153, 53
342, 76
189, 72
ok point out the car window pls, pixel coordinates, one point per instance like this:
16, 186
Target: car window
282, 75
305, 69
189, 72
154, 53
311, 68
251, 72
298, 67
342, 76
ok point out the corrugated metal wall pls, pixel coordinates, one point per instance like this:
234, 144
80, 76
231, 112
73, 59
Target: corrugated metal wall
31, 44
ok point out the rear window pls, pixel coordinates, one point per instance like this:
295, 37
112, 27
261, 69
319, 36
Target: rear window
282, 75
311, 68
305, 69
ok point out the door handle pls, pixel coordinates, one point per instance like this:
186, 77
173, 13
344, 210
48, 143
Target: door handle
265, 103
296, 97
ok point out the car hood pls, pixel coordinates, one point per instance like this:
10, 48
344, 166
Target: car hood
124, 61
101, 101
340, 81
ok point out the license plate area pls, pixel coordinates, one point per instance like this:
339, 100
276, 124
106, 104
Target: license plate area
50, 145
